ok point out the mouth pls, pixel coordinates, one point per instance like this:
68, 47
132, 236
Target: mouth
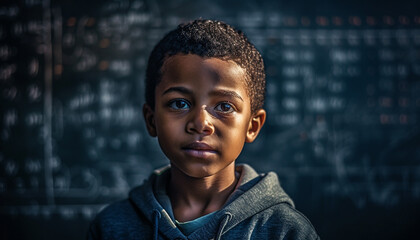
199, 150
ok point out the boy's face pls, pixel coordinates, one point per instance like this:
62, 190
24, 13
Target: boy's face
202, 114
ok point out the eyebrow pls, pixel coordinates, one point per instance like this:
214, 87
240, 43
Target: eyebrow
226, 93
178, 89
220, 92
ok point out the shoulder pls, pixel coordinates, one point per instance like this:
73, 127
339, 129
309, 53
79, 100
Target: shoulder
288, 222
116, 211
278, 222
115, 221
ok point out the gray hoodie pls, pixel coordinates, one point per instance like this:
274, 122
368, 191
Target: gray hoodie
258, 209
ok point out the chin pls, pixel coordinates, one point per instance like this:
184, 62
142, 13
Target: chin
198, 171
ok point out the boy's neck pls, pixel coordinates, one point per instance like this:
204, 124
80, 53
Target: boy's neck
195, 197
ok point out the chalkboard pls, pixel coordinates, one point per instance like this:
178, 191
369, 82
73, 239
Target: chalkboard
343, 103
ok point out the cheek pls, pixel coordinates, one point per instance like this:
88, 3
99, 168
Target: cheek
166, 126
234, 132
167, 132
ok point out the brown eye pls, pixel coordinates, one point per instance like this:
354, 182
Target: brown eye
179, 104
224, 107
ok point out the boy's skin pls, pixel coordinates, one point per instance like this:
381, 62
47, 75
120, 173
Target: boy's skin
202, 119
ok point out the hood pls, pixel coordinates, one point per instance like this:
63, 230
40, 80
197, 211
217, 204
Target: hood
255, 193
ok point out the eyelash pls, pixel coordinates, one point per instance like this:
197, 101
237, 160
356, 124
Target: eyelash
174, 101
172, 105
232, 108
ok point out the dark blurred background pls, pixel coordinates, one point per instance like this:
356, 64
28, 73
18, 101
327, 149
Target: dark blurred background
343, 102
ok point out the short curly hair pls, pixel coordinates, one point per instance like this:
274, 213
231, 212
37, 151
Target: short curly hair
209, 38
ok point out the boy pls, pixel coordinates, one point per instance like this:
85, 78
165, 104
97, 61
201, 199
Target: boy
205, 86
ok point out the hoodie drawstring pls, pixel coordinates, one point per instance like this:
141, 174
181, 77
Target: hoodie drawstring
222, 225
156, 216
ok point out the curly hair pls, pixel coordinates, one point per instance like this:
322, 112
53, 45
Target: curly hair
208, 38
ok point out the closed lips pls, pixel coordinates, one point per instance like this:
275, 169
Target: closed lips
198, 146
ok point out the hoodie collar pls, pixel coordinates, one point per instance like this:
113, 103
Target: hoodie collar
144, 199
262, 190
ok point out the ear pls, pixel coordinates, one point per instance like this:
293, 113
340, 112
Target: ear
149, 119
255, 125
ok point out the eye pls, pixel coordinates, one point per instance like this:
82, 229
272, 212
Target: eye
225, 107
179, 104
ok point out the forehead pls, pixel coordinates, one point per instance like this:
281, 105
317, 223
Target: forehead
179, 68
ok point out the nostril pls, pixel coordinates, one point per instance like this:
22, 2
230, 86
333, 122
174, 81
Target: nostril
200, 122
200, 127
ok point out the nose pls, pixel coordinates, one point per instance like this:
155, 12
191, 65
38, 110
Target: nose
200, 122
